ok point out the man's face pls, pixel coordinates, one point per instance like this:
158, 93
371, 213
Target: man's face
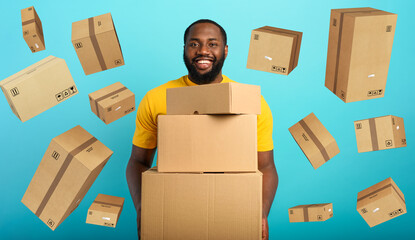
204, 53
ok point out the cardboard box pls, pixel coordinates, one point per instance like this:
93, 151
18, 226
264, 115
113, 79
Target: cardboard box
112, 102
105, 210
381, 202
39, 87
314, 140
32, 29
380, 133
311, 212
222, 98
96, 44
201, 206
207, 143
359, 51
274, 50
70, 165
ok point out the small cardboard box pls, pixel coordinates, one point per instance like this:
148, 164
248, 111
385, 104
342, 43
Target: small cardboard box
96, 44
32, 29
311, 212
222, 98
314, 140
105, 210
207, 143
201, 206
70, 165
359, 51
381, 202
39, 87
274, 50
380, 133
112, 102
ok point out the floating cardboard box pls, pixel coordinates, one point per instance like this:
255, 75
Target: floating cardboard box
96, 44
380, 133
39, 87
105, 210
381, 202
32, 29
201, 206
207, 143
70, 165
112, 102
274, 50
223, 98
311, 212
359, 51
314, 140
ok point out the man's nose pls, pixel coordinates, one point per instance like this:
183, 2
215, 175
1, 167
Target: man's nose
203, 49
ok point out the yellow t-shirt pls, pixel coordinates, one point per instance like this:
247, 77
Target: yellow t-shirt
154, 104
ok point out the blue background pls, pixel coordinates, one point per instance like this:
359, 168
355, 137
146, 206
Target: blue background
151, 37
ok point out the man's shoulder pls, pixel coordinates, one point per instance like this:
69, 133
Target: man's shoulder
161, 90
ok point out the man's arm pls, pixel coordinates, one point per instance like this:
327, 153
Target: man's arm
141, 160
269, 185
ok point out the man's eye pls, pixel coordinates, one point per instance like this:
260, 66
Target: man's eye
193, 44
213, 44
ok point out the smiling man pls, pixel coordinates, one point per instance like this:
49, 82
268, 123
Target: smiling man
205, 50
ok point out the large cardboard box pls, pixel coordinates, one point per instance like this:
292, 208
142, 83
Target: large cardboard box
105, 210
274, 50
201, 206
222, 98
380, 133
207, 143
112, 102
381, 202
32, 29
314, 140
39, 87
359, 50
311, 212
70, 165
96, 44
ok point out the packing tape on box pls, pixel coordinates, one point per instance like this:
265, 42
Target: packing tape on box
373, 134
95, 43
305, 211
60, 173
107, 96
315, 140
380, 189
28, 22
109, 204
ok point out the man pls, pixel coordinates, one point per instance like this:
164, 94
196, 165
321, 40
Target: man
205, 50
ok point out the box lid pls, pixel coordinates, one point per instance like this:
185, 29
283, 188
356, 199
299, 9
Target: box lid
94, 25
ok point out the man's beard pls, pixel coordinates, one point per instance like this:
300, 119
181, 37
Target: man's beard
208, 77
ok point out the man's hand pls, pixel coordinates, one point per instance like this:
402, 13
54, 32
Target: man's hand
265, 235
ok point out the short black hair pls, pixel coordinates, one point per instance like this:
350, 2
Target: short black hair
222, 31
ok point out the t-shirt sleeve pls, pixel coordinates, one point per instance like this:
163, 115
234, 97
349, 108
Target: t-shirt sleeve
265, 125
145, 135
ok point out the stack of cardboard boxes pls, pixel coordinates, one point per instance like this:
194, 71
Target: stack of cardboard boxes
207, 184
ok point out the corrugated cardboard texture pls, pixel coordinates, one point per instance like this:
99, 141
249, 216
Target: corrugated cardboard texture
381, 202
112, 102
39, 87
359, 50
32, 29
201, 206
380, 133
105, 210
314, 140
223, 98
96, 44
207, 143
311, 212
274, 50
70, 165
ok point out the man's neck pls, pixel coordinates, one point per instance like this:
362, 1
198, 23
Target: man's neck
218, 79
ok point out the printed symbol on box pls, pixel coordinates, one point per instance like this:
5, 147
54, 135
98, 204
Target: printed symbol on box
66, 93
109, 109
305, 137
335, 22
34, 35
380, 91
358, 125
14, 91
78, 45
29, 9
55, 155
72, 90
33, 49
363, 210
319, 217
274, 68
343, 94
256, 37
99, 23
109, 224
51, 223
90, 212
388, 143
59, 97
291, 212
404, 141
369, 93
400, 210
26, 33
389, 28
118, 62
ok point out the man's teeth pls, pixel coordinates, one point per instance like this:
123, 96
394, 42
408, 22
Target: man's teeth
203, 61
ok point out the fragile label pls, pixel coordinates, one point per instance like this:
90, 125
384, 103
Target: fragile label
372, 93
278, 69
14, 91
66, 93
396, 213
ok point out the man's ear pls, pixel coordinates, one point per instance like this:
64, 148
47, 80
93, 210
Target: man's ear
226, 51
